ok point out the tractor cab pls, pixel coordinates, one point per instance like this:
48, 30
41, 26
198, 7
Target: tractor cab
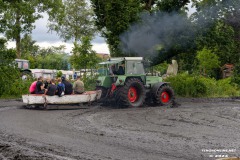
117, 70
122, 66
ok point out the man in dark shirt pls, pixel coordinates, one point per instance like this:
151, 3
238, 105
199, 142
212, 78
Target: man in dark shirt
121, 70
52, 88
39, 86
47, 82
68, 86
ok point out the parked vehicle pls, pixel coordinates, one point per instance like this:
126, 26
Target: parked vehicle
24, 67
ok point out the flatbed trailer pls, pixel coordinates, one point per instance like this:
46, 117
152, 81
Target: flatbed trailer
63, 102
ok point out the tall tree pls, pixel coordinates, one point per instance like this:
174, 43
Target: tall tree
19, 16
7, 70
113, 18
28, 47
172, 6
75, 22
219, 28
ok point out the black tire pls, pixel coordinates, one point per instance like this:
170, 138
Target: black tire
132, 94
104, 91
164, 95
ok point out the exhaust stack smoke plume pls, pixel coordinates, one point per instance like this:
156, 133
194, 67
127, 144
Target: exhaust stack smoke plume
155, 32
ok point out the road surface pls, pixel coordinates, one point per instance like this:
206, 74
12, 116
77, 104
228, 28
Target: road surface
199, 129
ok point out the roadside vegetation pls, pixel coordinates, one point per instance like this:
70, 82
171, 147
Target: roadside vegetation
190, 85
204, 80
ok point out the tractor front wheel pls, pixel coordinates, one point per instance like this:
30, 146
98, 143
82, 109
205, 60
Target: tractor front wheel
132, 94
164, 95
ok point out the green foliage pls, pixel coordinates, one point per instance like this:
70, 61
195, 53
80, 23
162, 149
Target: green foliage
74, 21
59, 74
83, 56
16, 88
89, 82
19, 17
56, 61
48, 58
113, 18
172, 6
162, 68
236, 74
11, 83
220, 39
186, 85
207, 61
28, 47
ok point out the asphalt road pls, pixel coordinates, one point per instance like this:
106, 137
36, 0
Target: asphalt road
199, 129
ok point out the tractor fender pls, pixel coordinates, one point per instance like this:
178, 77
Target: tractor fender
122, 79
156, 86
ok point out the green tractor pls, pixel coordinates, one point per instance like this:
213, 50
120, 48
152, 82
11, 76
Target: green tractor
125, 82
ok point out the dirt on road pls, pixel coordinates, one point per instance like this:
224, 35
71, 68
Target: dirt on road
199, 129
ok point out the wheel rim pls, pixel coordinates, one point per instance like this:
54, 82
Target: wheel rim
165, 97
132, 94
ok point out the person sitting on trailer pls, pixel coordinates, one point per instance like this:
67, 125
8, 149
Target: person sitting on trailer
78, 86
47, 82
40, 86
60, 88
52, 88
32, 87
68, 86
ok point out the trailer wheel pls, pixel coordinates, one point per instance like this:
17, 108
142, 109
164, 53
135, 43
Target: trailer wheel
164, 95
132, 94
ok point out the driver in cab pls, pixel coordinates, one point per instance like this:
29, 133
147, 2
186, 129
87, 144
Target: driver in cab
120, 71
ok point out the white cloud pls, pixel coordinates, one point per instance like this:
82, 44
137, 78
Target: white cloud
101, 48
46, 39
98, 47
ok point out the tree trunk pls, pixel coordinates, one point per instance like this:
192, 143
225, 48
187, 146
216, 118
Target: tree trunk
18, 42
18, 35
148, 5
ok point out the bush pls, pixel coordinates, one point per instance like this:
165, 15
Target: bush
16, 88
225, 87
89, 82
197, 86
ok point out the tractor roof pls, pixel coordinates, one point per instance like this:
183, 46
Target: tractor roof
120, 59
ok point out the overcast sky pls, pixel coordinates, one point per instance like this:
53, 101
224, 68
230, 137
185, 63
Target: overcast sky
45, 39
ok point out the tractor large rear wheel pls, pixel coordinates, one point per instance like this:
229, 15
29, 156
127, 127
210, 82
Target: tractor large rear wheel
164, 95
132, 94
